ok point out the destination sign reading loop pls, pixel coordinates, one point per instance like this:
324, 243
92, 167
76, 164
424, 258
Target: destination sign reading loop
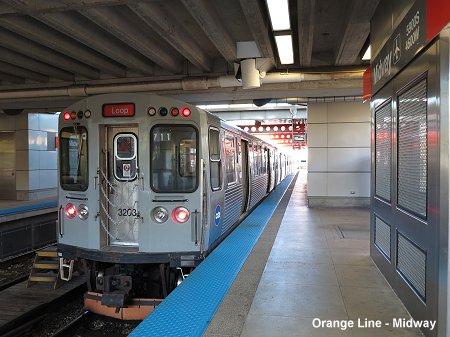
118, 110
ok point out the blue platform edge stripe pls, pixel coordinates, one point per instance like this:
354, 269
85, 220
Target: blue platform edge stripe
189, 309
28, 208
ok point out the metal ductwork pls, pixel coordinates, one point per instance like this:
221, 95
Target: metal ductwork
185, 84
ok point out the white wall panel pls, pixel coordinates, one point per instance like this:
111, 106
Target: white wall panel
48, 122
7, 123
33, 160
21, 121
33, 121
349, 159
22, 160
21, 140
317, 159
317, 113
343, 184
317, 135
348, 112
348, 135
47, 178
22, 180
317, 184
37, 140
47, 160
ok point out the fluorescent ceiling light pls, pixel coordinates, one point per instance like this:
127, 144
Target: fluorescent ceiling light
284, 46
367, 55
279, 14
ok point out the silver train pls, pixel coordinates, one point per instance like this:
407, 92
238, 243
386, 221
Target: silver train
148, 187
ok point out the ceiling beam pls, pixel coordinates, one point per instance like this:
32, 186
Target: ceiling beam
26, 62
46, 36
11, 78
36, 51
21, 72
98, 40
306, 20
259, 25
134, 35
32, 7
159, 20
355, 30
209, 20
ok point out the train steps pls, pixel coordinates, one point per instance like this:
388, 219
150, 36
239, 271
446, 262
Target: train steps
45, 269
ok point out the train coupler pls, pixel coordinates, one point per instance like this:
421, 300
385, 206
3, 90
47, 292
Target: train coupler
66, 269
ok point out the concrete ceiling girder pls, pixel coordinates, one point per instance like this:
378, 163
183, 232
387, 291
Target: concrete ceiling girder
11, 78
207, 18
57, 41
26, 62
259, 26
24, 46
154, 15
21, 72
98, 40
134, 36
306, 10
355, 30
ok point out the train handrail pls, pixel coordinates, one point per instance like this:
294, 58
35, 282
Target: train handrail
60, 229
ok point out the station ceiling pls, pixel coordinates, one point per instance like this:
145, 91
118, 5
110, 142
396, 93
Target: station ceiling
54, 52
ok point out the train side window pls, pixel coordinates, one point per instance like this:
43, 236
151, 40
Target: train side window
230, 158
214, 159
125, 156
73, 159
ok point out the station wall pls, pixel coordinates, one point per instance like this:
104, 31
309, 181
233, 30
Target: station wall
35, 155
339, 154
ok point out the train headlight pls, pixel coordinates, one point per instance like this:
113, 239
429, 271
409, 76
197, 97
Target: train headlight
181, 214
83, 212
160, 214
70, 211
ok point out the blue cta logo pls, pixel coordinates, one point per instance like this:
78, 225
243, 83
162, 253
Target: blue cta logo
217, 215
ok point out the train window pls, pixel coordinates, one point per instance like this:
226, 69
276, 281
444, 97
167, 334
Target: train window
214, 158
174, 159
230, 158
188, 157
73, 158
125, 156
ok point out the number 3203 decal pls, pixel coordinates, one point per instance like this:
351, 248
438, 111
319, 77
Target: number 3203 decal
127, 212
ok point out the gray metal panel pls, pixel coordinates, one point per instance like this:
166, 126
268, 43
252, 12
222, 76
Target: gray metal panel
383, 151
383, 237
7, 165
413, 149
258, 189
411, 262
232, 206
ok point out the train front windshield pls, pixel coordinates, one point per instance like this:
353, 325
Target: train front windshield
174, 160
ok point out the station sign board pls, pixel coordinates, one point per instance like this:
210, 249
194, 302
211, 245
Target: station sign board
406, 41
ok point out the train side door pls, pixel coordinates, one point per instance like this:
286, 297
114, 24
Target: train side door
119, 210
245, 176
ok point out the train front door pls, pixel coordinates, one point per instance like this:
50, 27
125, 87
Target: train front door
120, 186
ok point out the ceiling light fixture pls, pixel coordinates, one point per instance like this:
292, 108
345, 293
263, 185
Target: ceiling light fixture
284, 46
279, 14
367, 54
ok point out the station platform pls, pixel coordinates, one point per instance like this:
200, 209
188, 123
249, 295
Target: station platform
11, 210
308, 265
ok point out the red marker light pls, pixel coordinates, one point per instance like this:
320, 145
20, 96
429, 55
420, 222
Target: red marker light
66, 116
70, 211
174, 112
186, 112
181, 214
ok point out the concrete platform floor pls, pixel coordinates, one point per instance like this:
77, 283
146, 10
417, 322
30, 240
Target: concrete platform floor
310, 264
